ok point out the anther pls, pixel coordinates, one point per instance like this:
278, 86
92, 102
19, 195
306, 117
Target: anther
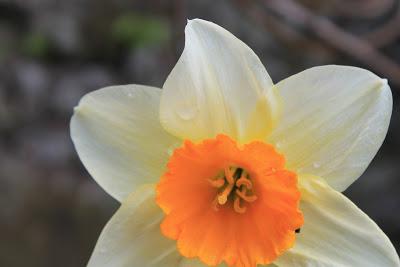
223, 196
217, 182
215, 204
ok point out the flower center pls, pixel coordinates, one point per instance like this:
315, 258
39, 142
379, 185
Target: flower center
228, 202
233, 184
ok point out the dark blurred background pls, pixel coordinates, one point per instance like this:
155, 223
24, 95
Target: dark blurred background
53, 52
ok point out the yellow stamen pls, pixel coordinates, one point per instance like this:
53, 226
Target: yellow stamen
229, 175
244, 181
235, 185
237, 207
246, 198
223, 196
217, 182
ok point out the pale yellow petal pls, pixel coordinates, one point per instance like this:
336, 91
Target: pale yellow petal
334, 120
133, 237
118, 136
193, 263
336, 232
218, 86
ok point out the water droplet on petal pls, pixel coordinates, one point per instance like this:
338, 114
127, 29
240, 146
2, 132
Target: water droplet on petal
170, 151
316, 165
187, 113
172, 148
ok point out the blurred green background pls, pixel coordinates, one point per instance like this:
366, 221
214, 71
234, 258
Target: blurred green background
53, 52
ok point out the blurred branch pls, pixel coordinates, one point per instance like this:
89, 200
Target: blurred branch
386, 34
286, 34
365, 9
298, 16
293, 19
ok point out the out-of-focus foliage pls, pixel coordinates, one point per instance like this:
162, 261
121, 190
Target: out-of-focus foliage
139, 30
35, 45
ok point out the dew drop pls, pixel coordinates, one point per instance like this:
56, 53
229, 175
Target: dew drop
187, 113
172, 148
316, 165
130, 94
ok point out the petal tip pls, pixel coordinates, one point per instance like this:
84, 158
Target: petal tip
190, 22
197, 23
196, 20
77, 109
383, 85
384, 82
80, 109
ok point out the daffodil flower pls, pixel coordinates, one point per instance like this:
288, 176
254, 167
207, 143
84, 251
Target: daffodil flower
224, 168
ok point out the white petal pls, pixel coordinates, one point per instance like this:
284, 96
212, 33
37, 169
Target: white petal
118, 136
218, 86
334, 120
133, 237
336, 232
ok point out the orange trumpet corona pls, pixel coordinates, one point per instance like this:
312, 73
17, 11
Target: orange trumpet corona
231, 203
